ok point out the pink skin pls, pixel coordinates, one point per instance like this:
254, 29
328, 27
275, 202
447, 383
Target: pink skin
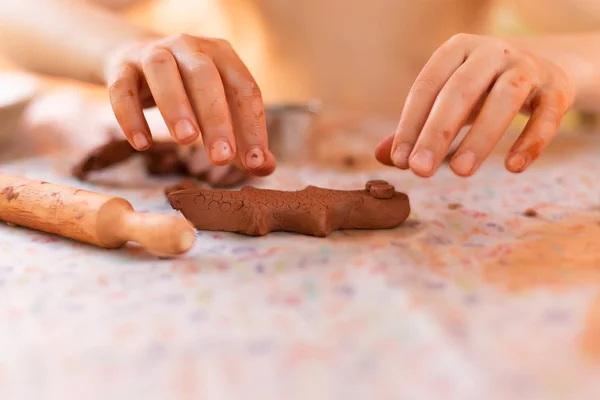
201, 87
486, 81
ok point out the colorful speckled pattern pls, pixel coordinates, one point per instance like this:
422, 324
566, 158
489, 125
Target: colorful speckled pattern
468, 301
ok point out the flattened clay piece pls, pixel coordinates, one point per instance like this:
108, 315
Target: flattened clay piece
382, 191
368, 184
454, 206
163, 158
113, 152
311, 211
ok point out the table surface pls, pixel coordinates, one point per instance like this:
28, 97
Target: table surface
478, 301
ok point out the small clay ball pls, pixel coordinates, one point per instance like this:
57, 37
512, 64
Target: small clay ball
530, 212
382, 191
454, 206
374, 182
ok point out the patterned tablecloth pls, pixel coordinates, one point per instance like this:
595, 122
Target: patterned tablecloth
469, 299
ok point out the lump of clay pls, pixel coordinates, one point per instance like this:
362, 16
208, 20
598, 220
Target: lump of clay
163, 158
311, 211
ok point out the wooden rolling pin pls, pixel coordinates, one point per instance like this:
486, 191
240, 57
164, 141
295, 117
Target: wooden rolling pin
90, 217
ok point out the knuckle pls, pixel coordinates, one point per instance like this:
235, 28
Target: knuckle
200, 64
459, 39
517, 80
501, 46
217, 44
528, 61
222, 43
181, 43
497, 51
183, 38
120, 89
156, 56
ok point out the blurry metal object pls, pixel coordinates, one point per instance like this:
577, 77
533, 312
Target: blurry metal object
289, 126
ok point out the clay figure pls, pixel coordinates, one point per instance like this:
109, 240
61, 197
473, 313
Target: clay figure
163, 158
312, 211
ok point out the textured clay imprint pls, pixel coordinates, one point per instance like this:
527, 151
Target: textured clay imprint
163, 158
312, 211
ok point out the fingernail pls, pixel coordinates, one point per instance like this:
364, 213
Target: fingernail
255, 158
464, 162
401, 154
422, 161
517, 162
220, 151
184, 130
140, 140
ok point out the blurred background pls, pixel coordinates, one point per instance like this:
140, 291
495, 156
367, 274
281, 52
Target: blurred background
365, 67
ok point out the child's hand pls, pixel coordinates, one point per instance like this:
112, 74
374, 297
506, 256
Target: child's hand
485, 80
200, 86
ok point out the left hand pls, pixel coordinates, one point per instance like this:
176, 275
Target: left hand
486, 81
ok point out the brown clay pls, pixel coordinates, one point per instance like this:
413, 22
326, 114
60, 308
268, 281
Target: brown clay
368, 184
311, 211
530, 212
454, 206
382, 191
163, 158
113, 152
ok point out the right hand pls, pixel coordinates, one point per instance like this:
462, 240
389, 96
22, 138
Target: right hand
201, 87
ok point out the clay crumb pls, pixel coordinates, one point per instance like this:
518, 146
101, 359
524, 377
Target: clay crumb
10, 194
530, 212
349, 161
382, 191
454, 206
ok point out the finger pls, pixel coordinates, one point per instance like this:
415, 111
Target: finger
499, 109
125, 101
169, 94
383, 151
247, 110
268, 166
451, 108
548, 112
430, 81
207, 97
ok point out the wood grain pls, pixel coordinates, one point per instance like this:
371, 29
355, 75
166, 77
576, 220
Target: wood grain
89, 217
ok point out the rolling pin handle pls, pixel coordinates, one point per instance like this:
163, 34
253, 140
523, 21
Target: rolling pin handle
160, 234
